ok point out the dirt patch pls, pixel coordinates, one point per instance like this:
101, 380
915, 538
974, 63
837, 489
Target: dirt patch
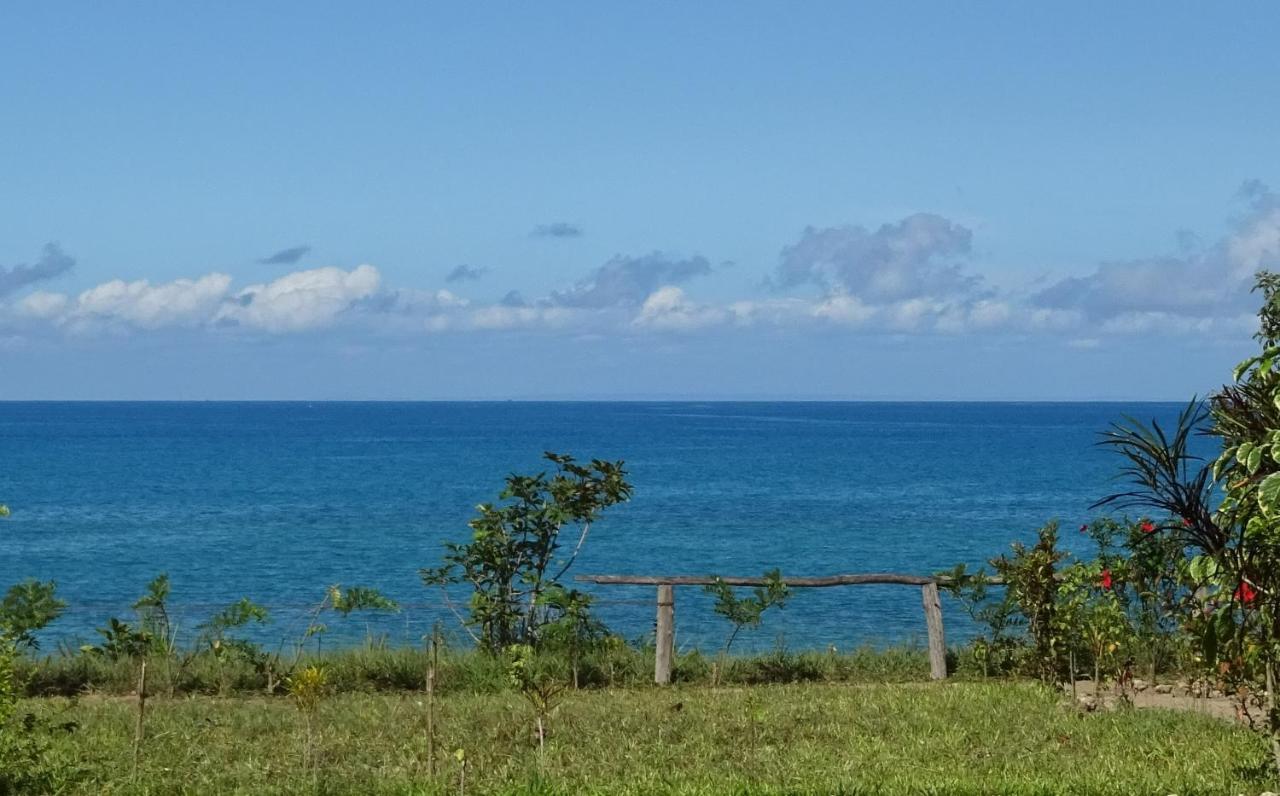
1170, 696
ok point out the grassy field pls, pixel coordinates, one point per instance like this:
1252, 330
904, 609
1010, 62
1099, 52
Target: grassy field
949, 738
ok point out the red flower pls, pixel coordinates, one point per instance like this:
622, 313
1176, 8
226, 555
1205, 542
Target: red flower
1147, 526
1186, 522
1084, 528
1245, 593
1105, 582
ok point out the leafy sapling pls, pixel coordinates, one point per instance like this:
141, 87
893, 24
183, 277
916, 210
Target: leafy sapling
745, 612
343, 603
214, 636
153, 615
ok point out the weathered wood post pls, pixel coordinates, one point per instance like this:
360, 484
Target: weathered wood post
937, 641
665, 640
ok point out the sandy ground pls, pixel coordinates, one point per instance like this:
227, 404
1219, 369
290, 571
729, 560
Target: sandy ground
1163, 695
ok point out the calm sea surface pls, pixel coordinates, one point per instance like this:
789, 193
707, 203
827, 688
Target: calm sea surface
278, 500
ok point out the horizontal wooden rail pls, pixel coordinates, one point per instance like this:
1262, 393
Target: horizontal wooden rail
664, 652
860, 579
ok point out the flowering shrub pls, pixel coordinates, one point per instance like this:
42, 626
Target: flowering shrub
1058, 615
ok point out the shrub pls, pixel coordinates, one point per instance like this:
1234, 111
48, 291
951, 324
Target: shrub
513, 562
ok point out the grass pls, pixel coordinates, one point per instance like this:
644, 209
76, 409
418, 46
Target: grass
888, 738
372, 668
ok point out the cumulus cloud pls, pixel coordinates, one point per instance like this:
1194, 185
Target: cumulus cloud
298, 301
182, 302
628, 281
53, 262
289, 256
557, 229
913, 258
465, 273
301, 300
1199, 282
669, 308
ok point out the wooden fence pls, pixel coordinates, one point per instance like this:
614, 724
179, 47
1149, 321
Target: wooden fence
664, 653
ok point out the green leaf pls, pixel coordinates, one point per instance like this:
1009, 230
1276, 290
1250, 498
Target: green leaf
1255, 459
1244, 452
1269, 495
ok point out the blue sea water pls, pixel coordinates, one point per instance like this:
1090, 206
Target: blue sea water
276, 501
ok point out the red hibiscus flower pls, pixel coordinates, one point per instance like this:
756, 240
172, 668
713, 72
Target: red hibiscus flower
1186, 522
1105, 581
1147, 526
1245, 593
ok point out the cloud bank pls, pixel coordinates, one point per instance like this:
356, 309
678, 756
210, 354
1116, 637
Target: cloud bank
913, 276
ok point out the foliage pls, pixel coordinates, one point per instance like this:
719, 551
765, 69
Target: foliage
307, 687
540, 680
153, 614
26, 763
236, 615
998, 650
26, 608
513, 563
343, 603
744, 612
1030, 578
1235, 564
121, 641
4, 510
1054, 615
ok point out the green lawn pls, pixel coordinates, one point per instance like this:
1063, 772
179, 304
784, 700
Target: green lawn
951, 738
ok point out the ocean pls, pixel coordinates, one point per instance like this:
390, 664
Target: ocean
277, 501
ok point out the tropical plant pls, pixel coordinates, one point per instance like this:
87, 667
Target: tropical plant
1235, 564
514, 559
1031, 585
539, 680
343, 603
121, 641
745, 612
214, 637
26, 608
153, 615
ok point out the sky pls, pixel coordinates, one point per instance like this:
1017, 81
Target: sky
712, 200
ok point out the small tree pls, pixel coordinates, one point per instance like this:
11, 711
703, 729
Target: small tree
214, 636
514, 559
26, 608
343, 603
1031, 584
540, 681
744, 612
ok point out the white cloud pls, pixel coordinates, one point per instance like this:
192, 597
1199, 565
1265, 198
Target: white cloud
301, 300
139, 304
668, 308
44, 305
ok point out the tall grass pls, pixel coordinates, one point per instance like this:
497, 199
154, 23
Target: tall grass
371, 668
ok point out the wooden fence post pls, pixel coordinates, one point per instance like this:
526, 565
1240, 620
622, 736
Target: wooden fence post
937, 641
665, 640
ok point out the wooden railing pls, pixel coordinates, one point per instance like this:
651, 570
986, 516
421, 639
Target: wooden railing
664, 653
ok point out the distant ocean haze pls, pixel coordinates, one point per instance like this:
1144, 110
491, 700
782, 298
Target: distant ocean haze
277, 501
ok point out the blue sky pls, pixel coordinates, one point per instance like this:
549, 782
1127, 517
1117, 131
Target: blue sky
702, 200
